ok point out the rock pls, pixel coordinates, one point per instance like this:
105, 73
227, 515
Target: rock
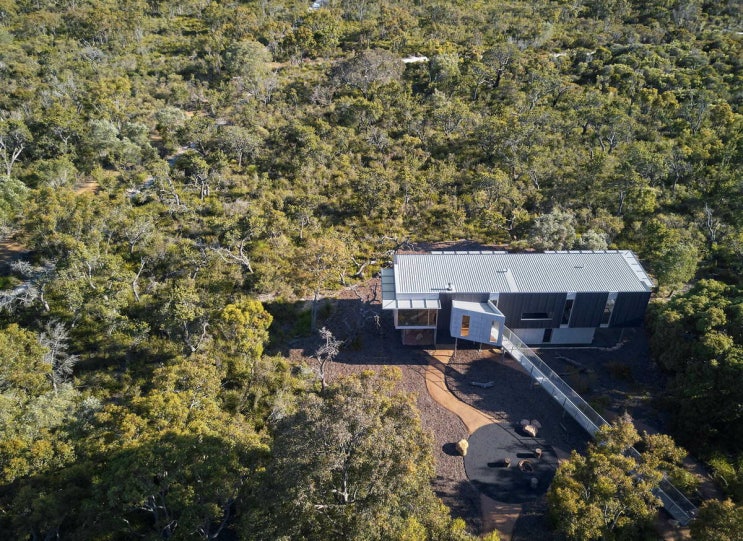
524, 422
536, 424
462, 446
530, 430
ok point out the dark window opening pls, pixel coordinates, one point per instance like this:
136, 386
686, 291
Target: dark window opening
566, 312
536, 315
547, 336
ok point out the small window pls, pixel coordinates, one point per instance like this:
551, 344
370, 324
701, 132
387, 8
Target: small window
494, 332
608, 310
547, 336
567, 311
465, 330
536, 315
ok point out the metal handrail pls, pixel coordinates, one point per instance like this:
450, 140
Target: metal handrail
678, 505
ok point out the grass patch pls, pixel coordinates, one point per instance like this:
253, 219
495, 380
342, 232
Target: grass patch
7, 282
303, 324
580, 381
600, 404
620, 371
356, 343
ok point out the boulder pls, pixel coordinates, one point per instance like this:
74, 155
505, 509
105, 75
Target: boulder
530, 430
462, 446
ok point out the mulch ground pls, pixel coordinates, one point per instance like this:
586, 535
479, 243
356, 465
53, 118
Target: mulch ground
512, 398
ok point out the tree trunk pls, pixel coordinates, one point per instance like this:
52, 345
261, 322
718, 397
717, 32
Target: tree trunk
313, 312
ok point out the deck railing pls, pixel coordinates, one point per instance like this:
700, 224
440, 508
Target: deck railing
677, 505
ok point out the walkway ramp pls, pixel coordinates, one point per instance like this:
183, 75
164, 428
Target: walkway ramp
677, 505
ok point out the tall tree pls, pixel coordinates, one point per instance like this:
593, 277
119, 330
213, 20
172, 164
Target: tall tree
244, 327
321, 263
718, 521
14, 138
608, 493
351, 464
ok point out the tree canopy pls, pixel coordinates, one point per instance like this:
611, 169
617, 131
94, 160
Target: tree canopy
608, 493
165, 165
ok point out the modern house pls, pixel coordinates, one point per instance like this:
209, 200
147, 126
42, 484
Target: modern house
566, 297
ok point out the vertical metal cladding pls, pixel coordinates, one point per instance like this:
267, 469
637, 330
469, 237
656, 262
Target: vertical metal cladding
588, 309
629, 311
516, 305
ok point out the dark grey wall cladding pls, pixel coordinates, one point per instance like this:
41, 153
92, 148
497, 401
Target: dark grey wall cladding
442, 326
515, 305
588, 309
629, 311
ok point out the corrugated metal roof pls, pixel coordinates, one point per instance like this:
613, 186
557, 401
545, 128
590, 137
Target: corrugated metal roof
411, 304
388, 284
579, 271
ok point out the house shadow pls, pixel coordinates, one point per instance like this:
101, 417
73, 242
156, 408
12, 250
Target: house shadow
367, 332
513, 397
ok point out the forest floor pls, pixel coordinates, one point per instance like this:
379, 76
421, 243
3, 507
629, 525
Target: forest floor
10, 251
613, 380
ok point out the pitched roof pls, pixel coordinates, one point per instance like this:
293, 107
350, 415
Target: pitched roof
427, 275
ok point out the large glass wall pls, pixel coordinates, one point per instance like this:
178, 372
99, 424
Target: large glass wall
416, 318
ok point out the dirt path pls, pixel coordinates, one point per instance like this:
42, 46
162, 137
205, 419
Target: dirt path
436, 384
89, 186
10, 251
495, 515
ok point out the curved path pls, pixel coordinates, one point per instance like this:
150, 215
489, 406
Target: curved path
495, 515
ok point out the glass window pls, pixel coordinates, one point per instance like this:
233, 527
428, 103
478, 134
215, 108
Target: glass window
567, 311
608, 309
416, 318
495, 332
465, 330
